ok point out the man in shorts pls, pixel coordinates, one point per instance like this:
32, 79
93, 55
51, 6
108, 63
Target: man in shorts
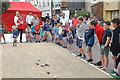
80, 37
115, 45
105, 48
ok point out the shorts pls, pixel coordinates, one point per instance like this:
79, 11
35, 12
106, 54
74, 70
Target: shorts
46, 33
74, 30
105, 52
37, 33
115, 54
56, 36
64, 39
79, 42
29, 25
70, 41
60, 36
1, 35
89, 47
33, 33
14, 39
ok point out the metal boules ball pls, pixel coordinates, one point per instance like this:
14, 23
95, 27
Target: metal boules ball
42, 65
47, 64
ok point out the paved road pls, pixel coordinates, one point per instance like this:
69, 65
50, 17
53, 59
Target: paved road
20, 62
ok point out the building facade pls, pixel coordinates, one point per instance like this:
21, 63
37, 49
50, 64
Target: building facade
111, 10
106, 10
48, 7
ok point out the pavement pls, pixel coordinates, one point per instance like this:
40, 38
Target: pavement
20, 62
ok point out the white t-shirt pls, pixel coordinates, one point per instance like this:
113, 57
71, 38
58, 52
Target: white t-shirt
15, 20
29, 19
60, 30
70, 21
63, 20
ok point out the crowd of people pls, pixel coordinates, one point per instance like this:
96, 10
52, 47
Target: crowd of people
65, 32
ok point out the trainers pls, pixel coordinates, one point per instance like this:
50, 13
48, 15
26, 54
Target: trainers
64, 47
44, 40
84, 56
90, 60
115, 76
113, 71
79, 55
60, 44
98, 63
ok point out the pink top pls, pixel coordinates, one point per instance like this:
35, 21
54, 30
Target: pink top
74, 22
66, 27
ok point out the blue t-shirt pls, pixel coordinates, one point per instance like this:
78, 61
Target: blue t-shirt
1, 32
46, 27
41, 32
15, 33
55, 30
90, 37
32, 28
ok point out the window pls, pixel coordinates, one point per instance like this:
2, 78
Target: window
115, 14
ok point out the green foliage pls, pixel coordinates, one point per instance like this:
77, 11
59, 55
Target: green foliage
5, 6
72, 12
0, 7
83, 12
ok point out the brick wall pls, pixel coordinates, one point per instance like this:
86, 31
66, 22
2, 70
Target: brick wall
97, 9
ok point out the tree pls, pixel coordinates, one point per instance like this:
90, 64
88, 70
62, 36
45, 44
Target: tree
4, 6
83, 12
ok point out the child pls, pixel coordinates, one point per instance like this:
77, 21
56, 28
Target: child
47, 30
33, 31
90, 41
67, 26
2, 34
70, 38
37, 33
55, 32
28, 34
64, 33
105, 45
80, 37
60, 34
41, 32
15, 35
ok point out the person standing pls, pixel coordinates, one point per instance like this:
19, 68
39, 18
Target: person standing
29, 19
99, 30
63, 20
115, 45
35, 20
74, 24
80, 37
16, 18
46, 30
20, 27
90, 40
15, 35
105, 46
